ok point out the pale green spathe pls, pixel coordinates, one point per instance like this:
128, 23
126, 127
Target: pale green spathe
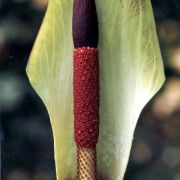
131, 72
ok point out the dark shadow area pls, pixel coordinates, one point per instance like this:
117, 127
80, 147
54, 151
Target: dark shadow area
26, 134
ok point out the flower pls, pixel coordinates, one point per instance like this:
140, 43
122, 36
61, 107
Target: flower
131, 72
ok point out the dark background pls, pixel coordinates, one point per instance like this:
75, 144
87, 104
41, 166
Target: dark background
25, 131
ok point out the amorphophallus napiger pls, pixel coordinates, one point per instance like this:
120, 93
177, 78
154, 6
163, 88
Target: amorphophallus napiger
131, 72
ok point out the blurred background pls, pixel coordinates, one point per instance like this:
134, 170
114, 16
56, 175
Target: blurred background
25, 131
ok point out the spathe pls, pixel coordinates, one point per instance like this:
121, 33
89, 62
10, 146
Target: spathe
131, 72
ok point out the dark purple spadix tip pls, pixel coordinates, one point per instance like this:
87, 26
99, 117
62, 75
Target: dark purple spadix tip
85, 24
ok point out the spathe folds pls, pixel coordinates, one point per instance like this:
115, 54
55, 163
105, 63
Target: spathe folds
131, 72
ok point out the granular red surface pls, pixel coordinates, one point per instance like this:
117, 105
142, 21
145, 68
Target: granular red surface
86, 96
